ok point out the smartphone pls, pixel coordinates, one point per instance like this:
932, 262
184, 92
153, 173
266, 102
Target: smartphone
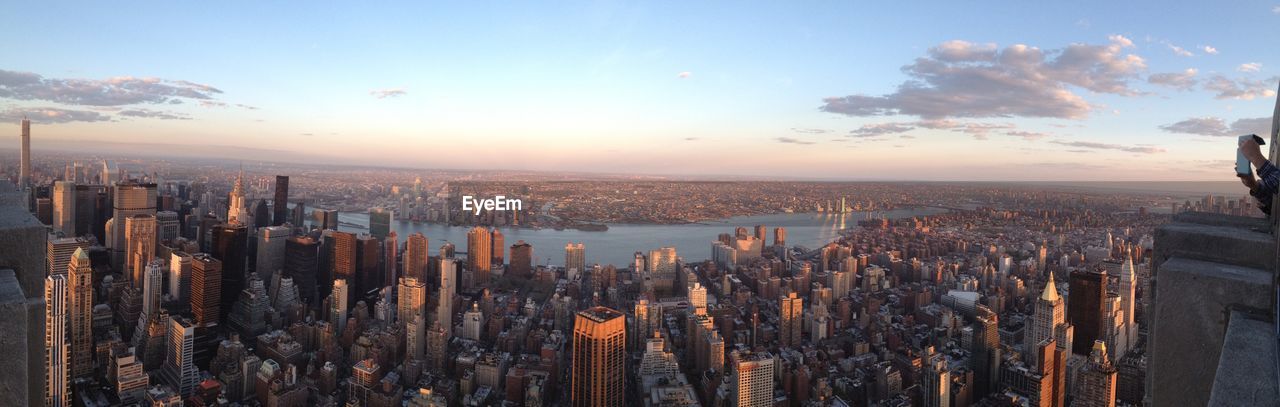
1242, 163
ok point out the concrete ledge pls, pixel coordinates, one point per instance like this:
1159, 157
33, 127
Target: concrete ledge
1189, 319
1215, 219
1215, 243
1247, 369
15, 382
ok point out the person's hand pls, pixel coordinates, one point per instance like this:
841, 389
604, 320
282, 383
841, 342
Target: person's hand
1253, 152
1249, 181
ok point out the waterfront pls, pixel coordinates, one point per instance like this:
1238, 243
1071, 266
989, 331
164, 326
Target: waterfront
618, 245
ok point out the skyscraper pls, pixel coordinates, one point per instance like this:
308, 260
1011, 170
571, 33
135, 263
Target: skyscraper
1049, 321
380, 220
140, 244
280, 205
411, 300
1085, 308
790, 315
498, 247
479, 255
131, 198
1097, 387
575, 257
64, 208
415, 256
237, 209
752, 379
1128, 281
206, 288
448, 286
986, 351
302, 264
230, 241
271, 251
179, 365
80, 312
167, 226
598, 369
390, 253
338, 304
57, 359
59, 251
24, 169
521, 259
936, 386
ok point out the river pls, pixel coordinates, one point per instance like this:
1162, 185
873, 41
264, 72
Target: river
618, 245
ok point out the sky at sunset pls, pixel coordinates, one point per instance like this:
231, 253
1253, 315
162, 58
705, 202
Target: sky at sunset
815, 90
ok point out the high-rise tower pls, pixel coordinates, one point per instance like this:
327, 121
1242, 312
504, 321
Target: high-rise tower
752, 379
57, 359
1049, 321
598, 376
24, 171
791, 313
140, 245
80, 312
64, 208
280, 205
237, 211
479, 255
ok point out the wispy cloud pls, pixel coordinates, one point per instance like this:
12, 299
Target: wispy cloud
684, 74
1185, 80
1217, 127
1250, 67
790, 140
1139, 149
52, 115
1027, 135
880, 129
963, 79
388, 93
117, 91
153, 114
809, 130
1209, 50
1179, 51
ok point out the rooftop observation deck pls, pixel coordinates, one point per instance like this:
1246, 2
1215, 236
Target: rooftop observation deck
1213, 309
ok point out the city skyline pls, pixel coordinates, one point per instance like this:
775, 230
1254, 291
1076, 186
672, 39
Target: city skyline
1040, 92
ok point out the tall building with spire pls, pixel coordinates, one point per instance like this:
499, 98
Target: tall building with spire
598, 376
1127, 283
237, 211
1097, 380
24, 170
1049, 321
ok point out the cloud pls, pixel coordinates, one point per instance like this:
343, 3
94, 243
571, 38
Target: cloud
1275, 9
1217, 127
963, 79
1140, 149
1026, 135
809, 131
978, 130
388, 93
1179, 51
789, 140
212, 103
880, 129
684, 74
1209, 50
1184, 80
52, 115
117, 91
1250, 67
1244, 89
690, 139
153, 114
